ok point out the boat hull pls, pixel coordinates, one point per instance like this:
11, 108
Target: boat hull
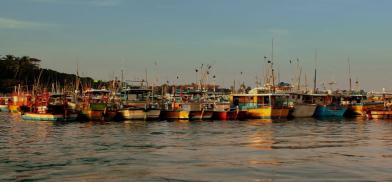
93, 115
139, 114
380, 114
49, 117
363, 109
229, 115
304, 110
174, 115
4, 108
14, 108
268, 113
330, 111
200, 115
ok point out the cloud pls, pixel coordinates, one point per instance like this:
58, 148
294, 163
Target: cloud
7, 23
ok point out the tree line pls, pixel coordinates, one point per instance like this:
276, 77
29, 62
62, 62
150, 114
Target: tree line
27, 72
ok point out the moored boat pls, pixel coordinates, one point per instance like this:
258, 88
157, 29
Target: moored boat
328, 106
174, 115
48, 107
303, 105
198, 111
4, 104
380, 114
262, 106
360, 105
95, 105
138, 105
222, 111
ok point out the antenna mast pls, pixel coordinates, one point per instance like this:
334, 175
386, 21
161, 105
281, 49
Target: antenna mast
349, 73
315, 72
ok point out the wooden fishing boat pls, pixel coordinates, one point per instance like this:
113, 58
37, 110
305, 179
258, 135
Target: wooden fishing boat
4, 104
198, 111
303, 105
360, 105
328, 106
140, 114
380, 114
138, 104
229, 114
95, 105
262, 106
174, 115
50, 108
20, 103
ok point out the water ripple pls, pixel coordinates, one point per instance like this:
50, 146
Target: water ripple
254, 150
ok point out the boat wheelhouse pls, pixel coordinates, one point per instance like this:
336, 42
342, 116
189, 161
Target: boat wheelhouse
263, 106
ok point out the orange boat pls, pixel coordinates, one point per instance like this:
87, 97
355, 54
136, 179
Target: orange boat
381, 114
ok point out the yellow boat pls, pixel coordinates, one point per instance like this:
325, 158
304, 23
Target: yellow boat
262, 106
360, 105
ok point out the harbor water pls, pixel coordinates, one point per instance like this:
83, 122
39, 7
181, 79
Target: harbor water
253, 150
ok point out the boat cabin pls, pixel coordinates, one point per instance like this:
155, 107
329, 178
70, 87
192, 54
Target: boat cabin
254, 101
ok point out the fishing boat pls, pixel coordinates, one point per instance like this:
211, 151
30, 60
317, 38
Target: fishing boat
138, 104
262, 106
303, 105
95, 105
360, 105
198, 111
381, 113
20, 102
328, 106
48, 107
222, 111
4, 104
173, 110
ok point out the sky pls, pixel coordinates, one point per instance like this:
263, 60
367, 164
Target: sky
171, 38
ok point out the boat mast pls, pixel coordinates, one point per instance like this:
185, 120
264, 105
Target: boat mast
272, 68
349, 74
299, 75
315, 72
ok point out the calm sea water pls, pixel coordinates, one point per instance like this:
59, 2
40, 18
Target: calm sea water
256, 150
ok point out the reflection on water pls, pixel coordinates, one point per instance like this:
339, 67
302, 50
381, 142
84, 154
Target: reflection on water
254, 150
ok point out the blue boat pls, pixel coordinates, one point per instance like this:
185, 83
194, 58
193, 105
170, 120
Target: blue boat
329, 111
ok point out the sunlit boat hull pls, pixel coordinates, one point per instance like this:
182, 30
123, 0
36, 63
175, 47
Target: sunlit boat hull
4, 108
380, 114
268, 113
139, 114
14, 108
49, 117
174, 115
363, 109
229, 115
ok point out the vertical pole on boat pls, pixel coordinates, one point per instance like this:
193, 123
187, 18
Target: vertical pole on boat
265, 74
349, 73
272, 69
122, 79
315, 72
196, 74
146, 77
234, 87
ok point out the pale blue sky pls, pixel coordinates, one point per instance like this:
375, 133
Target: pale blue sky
105, 36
